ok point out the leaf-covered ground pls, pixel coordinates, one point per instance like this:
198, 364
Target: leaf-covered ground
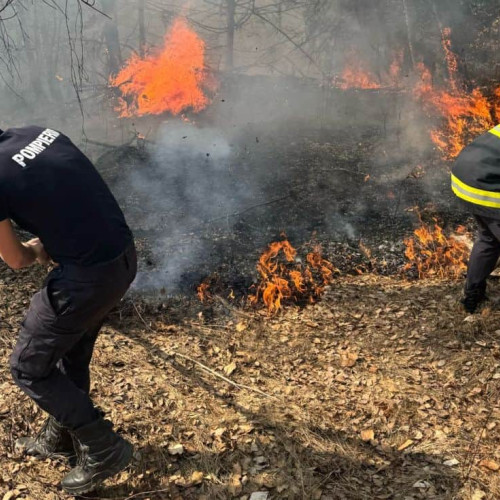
384, 390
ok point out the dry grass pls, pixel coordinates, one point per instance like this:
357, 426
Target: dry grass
378, 354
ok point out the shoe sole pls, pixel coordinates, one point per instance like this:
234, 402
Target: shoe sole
99, 478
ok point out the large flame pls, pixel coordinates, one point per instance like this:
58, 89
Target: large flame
462, 114
465, 114
286, 280
433, 254
172, 79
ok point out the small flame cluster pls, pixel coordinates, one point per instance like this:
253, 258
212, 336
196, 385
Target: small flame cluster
203, 292
357, 76
434, 255
283, 279
172, 79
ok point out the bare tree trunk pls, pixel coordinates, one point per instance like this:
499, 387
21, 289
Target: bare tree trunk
409, 33
33, 57
111, 37
51, 35
142, 29
231, 11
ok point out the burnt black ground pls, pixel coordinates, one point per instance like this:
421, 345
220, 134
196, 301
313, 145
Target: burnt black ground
337, 187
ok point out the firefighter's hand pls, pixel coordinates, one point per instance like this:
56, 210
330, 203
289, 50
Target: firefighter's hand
42, 257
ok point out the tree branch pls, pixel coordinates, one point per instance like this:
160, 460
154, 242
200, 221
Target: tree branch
91, 4
289, 38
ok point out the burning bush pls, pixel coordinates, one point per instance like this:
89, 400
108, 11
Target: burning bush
172, 79
462, 113
285, 279
466, 114
432, 254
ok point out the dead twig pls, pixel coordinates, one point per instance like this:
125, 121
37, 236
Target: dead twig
134, 495
205, 368
102, 144
218, 375
233, 309
253, 207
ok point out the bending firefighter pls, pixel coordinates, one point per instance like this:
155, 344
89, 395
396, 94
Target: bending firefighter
49, 188
475, 180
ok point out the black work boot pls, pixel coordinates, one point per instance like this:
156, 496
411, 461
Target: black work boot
473, 298
53, 440
101, 454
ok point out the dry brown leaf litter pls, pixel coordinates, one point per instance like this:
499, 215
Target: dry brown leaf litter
383, 390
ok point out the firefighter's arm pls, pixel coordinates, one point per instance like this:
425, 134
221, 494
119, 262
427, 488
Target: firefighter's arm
18, 255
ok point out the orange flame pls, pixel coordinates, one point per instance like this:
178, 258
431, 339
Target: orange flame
357, 76
463, 114
171, 80
451, 58
466, 114
283, 279
395, 69
432, 254
203, 292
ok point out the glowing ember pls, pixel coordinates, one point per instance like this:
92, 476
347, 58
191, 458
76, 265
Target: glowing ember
432, 254
286, 280
172, 79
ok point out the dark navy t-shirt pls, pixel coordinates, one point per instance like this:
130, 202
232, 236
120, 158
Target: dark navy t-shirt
51, 189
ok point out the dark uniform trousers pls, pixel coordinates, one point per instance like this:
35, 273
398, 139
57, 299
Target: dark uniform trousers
484, 255
50, 361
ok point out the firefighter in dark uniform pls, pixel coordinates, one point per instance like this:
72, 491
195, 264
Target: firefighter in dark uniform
475, 180
49, 188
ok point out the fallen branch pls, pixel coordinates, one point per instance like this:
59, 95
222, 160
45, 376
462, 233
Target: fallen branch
102, 144
218, 375
173, 354
248, 209
233, 309
346, 170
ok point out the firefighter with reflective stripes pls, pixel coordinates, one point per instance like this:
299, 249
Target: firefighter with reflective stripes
475, 180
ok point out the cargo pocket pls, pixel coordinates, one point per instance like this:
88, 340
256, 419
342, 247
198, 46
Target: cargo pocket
32, 358
58, 297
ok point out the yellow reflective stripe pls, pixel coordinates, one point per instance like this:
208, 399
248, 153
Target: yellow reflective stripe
472, 190
491, 204
495, 131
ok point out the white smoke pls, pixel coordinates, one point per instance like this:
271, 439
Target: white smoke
187, 184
